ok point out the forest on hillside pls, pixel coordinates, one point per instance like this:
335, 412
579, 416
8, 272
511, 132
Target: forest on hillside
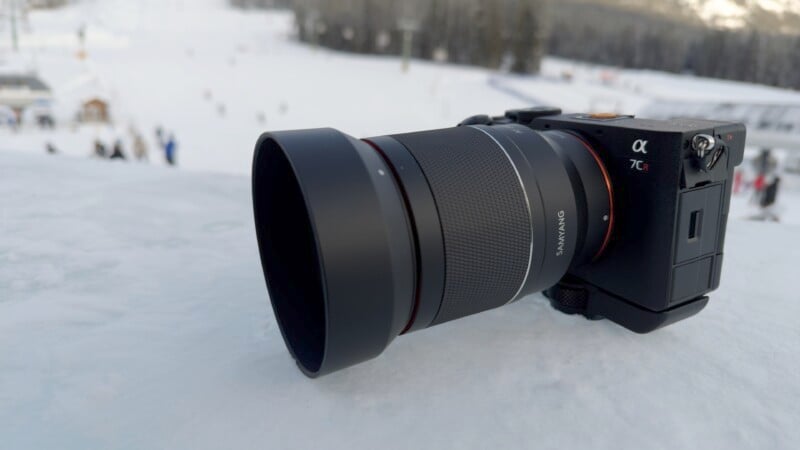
610, 35
513, 35
490, 33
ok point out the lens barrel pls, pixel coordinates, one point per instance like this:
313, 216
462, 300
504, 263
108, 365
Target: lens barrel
363, 240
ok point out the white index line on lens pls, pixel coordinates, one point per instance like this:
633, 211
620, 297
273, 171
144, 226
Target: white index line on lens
527, 205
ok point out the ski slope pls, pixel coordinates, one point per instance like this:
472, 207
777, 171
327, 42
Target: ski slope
176, 64
133, 315
133, 311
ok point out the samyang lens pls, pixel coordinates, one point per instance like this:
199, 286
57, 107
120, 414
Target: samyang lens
363, 240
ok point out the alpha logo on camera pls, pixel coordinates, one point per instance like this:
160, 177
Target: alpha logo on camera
640, 146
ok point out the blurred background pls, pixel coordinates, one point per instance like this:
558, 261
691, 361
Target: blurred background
192, 83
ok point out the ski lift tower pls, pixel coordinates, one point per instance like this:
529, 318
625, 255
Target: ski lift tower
311, 27
10, 8
408, 27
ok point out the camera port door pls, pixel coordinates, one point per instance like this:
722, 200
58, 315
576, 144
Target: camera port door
698, 223
696, 242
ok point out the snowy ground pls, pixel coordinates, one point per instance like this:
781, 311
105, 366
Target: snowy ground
131, 319
133, 312
175, 63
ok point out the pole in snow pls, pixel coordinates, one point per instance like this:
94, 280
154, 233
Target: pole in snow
408, 27
13, 16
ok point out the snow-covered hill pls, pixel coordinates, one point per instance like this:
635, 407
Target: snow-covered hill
739, 13
133, 315
772, 16
161, 62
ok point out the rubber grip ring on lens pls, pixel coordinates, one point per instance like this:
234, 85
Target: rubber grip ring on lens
484, 215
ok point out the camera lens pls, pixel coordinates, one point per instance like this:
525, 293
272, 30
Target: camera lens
363, 240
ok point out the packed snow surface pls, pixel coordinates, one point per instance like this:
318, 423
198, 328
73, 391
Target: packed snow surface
134, 315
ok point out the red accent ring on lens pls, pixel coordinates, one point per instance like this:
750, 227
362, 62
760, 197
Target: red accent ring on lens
607, 180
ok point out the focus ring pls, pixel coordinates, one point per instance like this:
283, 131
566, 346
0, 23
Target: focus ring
484, 215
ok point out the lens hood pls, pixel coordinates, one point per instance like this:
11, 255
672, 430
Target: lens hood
335, 245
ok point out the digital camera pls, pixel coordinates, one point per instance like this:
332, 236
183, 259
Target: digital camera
611, 216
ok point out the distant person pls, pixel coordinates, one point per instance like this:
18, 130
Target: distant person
770, 193
765, 163
738, 182
99, 149
160, 136
50, 148
767, 201
45, 121
765, 166
139, 147
139, 144
14, 122
81, 34
117, 152
170, 147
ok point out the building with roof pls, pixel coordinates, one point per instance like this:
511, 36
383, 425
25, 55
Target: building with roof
95, 109
18, 91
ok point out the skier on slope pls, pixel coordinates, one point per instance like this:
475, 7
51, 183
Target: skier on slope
139, 146
117, 152
159, 132
99, 149
170, 148
766, 186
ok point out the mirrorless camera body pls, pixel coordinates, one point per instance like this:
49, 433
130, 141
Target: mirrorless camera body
671, 188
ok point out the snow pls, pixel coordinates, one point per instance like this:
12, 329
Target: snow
736, 13
133, 314
133, 310
175, 55
168, 63
728, 13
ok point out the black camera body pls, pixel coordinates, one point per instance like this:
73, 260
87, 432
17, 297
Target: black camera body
365, 240
671, 184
